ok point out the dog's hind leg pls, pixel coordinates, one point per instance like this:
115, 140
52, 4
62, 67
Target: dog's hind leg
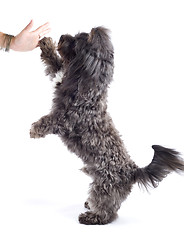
86, 204
104, 205
42, 127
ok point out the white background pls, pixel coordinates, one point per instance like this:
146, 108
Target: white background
42, 190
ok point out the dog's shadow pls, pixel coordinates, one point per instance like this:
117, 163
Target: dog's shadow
71, 211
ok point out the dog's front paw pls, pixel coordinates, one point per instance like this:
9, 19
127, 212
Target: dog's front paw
34, 132
46, 43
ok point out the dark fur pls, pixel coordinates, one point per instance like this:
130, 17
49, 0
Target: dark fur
79, 116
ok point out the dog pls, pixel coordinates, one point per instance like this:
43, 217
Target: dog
85, 65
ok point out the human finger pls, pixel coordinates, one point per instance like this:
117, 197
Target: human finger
42, 28
43, 33
29, 26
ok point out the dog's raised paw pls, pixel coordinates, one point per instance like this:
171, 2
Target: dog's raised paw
46, 43
33, 133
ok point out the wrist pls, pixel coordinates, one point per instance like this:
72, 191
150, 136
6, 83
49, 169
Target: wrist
1, 40
13, 44
6, 40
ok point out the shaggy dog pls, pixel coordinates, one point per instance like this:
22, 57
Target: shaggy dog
79, 117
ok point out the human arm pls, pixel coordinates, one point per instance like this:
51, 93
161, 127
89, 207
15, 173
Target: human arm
5, 41
26, 40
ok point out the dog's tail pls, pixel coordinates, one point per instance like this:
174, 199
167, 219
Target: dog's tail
164, 161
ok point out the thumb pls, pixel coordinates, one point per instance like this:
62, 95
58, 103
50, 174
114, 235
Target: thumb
29, 26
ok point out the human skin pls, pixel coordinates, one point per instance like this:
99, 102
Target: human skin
26, 40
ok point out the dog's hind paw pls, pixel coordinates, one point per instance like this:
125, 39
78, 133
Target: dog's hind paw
86, 205
89, 218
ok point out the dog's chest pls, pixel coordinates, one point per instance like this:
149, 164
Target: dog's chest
58, 78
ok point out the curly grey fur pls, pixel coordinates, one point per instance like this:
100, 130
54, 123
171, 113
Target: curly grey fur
79, 117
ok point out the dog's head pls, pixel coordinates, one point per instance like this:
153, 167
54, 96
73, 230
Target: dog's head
66, 47
97, 41
89, 58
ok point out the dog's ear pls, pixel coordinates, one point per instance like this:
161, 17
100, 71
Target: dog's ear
98, 33
100, 36
93, 64
100, 41
89, 75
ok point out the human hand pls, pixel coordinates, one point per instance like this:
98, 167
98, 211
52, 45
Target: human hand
26, 40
